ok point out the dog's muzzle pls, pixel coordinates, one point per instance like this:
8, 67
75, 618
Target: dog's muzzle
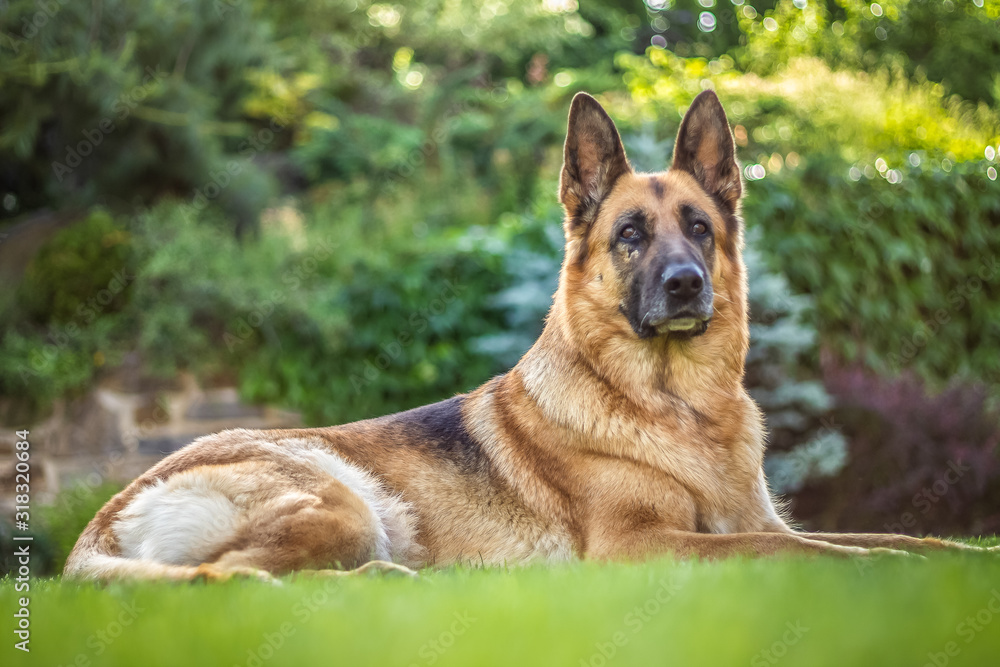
688, 308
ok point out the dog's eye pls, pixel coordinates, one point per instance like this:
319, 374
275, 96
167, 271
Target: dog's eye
699, 228
629, 233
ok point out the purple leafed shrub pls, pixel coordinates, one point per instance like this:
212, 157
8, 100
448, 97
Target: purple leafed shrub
917, 464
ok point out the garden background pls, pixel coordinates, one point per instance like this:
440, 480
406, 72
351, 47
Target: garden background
345, 209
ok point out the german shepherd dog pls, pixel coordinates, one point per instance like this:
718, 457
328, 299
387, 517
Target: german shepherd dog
625, 432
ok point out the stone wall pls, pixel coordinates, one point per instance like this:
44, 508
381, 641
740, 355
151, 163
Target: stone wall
116, 432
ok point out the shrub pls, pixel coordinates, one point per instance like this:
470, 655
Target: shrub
77, 266
62, 522
919, 463
803, 440
859, 35
66, 315
815, 111
532, 246
902, 272
120, 104
55, 528
310, 317
400, 336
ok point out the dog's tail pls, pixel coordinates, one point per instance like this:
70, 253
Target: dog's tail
95, 566
96, 555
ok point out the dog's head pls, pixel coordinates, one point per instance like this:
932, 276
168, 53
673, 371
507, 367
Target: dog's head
654, 247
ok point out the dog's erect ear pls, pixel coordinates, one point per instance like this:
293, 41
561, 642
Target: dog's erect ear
593, 160
705, 149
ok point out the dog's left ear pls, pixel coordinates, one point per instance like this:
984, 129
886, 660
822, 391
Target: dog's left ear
705, 149
593, 159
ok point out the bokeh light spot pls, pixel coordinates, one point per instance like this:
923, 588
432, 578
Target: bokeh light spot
414, 79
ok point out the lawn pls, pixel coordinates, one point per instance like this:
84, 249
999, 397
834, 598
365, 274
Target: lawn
944, 610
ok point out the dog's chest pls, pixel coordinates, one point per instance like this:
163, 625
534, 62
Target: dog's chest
712, 493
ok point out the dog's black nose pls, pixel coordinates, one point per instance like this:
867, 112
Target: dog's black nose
684, 282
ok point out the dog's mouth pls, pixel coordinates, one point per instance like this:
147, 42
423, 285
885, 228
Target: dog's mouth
683, 325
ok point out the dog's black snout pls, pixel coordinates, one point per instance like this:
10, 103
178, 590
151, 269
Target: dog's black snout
684, 282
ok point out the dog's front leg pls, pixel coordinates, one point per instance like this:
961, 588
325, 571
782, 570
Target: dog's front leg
686, 544
891, 541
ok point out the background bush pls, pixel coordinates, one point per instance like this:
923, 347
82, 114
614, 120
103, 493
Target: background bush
918, 463
909, 272
348, 208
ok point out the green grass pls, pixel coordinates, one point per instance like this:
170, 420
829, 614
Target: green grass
886, 612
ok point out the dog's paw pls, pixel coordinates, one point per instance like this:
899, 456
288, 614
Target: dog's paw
383, 567
882, 552
961, 546
212, 572
373, 567
871, 553
845, 551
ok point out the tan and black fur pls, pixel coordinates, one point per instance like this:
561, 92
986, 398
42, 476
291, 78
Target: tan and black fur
624, 433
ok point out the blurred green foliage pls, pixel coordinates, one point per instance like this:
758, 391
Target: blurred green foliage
348, 207
56, 527
902, 31
121, 102
61, 522
815, 111
909, 270
81, 272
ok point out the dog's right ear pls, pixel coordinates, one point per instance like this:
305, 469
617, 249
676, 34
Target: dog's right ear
593, 160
